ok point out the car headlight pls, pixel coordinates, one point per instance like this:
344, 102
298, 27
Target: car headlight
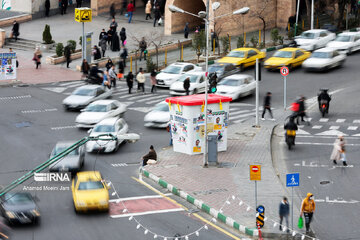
81, 203
266, 64
35, 213
103, 202
10, 214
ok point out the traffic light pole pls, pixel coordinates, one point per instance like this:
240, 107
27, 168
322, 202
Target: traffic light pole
257, 93
206, 82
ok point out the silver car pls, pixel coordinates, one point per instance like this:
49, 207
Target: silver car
72, 162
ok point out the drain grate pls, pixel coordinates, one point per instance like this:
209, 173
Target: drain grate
22, 124
324, 182
226, 165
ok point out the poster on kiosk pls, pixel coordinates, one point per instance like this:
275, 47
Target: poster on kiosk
187, 117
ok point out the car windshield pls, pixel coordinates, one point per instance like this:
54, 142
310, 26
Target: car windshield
83, 92
283, 54
321, 55
17, 198
104, 128
96, 108
218, 69
307, 35
162, 107
60, 149
192, 78
231, 82
342, 39
172, 70
91, 185
238, 54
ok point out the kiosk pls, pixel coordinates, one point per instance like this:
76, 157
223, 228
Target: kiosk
187, 118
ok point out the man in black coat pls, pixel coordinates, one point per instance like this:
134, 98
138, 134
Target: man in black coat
15, 30
67, 55
267, 106
151, 155
187, 85
284, 209
47, 7
78, 3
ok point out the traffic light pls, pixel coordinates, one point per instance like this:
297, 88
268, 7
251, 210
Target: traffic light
213, 82
259, 66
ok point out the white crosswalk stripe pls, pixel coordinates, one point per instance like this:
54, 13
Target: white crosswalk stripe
316, 127
67, 84
119, 164
356, 121
334, 127
151, 98
352, 128
340, 120
323, 120
242, 116
237, 112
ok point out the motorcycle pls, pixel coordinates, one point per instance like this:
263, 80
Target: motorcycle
93, 80
323, 107
290, 138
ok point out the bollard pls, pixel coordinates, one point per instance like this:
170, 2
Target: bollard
288, 26
317, 22
214, 47
229, 42
260, 210
302, 25
259, 36
130, 63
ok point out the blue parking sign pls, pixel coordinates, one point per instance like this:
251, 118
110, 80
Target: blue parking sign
292, 180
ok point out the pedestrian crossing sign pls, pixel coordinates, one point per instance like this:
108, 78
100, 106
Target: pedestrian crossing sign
83, 14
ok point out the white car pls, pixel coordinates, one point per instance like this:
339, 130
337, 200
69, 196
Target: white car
197, 84
84, 95
347, 42
236, 86
324, 59
313, 39
159, 116
172, 72
99, 110
114, 126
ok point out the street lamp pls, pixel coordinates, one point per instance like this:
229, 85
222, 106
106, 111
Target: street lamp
205, 15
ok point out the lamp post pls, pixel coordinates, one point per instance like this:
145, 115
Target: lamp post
205, 15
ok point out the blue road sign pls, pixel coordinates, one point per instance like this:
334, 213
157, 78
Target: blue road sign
260, 209
292, 180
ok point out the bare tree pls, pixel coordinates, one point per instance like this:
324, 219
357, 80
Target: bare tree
218, 27
260, 13
156, 39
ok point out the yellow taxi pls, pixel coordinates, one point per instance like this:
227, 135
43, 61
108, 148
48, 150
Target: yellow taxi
243, 57
289, 57
90, 192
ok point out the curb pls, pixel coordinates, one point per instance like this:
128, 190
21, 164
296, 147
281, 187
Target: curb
201, 205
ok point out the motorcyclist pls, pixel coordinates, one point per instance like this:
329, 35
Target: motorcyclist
290, 125
323, 95
94, 74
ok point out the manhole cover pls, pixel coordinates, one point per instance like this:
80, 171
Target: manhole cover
324, 182
226, 165
22, 124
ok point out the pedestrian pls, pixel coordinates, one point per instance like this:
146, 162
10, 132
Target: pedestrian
109, 36
267, 106
302, 111
102, 35
148, 10
96, 53
123, 36
186, 30
140, 78
142, 47
130, 10
37, 57
153, 81
78, 3
130, 81
67, 55
186, 85
15, 30
64, 4
113, 26
338, 152
121, 70
115, 43
213, 40
47, 8
109, 64
112, 10
157, 15
85, 68
103, 46
112, 75
150, 156
168, 128
284, 209
197, 29
106, 82
123, 55
123, 8
308, 209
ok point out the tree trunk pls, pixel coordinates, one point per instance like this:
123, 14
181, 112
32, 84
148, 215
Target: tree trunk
264, 29
308, 12
157, 57
342, 4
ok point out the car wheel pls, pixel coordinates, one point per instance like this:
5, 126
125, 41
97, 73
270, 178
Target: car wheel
75, 210
195, 91
350, 51
117, 147
315, 47
290, 67
241, 67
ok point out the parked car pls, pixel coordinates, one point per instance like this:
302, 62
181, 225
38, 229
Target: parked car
158, 117
99, 110
323, 59
72, 162
347, 42
84, 95
243, 57
172, 72
289, 57
223, 70
197, 84
19, 207
114, 126
314, 39
236, 86
90, 192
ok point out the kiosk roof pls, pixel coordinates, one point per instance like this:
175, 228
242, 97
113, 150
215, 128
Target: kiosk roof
198, 99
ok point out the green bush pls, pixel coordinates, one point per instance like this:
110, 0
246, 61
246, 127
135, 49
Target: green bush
225, 43
150, 66
262, 45
281, 40
254, 41
72, 44
47, 38
199, 43
275, 35
240, 42
59, 49
80, 40
291, 33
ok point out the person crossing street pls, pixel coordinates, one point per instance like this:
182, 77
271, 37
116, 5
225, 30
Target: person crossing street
267, 106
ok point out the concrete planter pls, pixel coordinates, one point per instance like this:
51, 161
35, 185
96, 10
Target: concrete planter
46, 47
54, 59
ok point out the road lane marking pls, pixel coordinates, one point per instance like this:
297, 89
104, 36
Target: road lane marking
237, 112
356, 121
66, 84
340, 120
326, 137
139, 197
332, 133
39, 110
334, 127
241, 116
323, 120
352, 128
147, 213
317, 126
194, 214
316, 165
322, 144
15, 97
151, 98
63, 127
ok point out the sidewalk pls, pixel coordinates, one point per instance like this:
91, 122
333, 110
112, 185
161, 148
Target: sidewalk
222, 188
